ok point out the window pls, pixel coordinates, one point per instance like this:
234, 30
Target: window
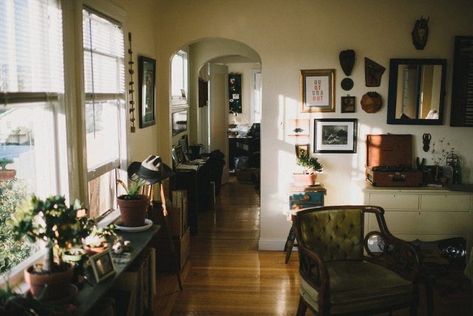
104, 85
179, 78
31, 111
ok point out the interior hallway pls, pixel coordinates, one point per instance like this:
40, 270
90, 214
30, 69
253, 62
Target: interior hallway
226, 275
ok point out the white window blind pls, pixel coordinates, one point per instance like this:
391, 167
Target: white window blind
104, 80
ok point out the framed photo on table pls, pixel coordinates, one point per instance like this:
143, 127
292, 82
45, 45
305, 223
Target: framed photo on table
318, 93
102, 265
147, 91
335, 135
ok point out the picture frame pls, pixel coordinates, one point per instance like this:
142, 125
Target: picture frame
335, 135
234, 93
318, 90
179, 122
348, 104
102, 265
300, 148
147, 91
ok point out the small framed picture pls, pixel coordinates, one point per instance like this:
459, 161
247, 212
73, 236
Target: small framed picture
147, 92
318, 93
348, 104
102, 265
302, 149
335, 135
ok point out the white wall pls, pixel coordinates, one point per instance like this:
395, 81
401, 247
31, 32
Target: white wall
309, 34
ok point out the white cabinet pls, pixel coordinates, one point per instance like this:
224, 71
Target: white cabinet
423, 213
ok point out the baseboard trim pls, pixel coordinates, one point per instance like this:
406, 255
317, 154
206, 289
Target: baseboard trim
271, 244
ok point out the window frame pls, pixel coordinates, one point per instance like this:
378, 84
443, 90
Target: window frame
179, 99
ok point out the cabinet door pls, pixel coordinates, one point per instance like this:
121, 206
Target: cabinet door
395, 201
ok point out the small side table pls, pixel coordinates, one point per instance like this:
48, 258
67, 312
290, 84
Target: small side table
300, 198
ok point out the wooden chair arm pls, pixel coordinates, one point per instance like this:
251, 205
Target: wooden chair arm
313, 269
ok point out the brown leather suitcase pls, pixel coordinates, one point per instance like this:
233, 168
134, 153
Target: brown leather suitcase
389, 161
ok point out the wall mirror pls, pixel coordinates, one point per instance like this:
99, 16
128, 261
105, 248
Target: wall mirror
416, 91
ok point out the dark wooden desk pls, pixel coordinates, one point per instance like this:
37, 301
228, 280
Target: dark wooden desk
89, 295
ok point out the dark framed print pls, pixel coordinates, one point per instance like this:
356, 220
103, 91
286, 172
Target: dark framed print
179, 122
302, 149
102, 265
348, 104
335, 135
147, 91
318, 92
234, 93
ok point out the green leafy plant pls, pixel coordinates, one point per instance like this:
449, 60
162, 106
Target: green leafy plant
4, 162
132, 190
98, 236
311, 164
51, 221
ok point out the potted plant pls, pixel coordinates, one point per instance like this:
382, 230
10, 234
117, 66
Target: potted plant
98, 238
311, 166
133, 205
56, 225
6, 174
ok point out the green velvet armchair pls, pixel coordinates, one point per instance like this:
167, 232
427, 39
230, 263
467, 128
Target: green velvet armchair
344, 273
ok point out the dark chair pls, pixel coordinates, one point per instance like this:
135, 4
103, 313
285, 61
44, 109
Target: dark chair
344, 272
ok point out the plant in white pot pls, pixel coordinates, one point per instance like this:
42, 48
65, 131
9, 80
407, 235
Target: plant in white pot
133, 205
311, 166
55, 225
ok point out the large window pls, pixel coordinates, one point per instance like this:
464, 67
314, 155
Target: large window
179, 78
104, 84
31, 111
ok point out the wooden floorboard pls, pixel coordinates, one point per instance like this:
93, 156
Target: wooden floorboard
227, 275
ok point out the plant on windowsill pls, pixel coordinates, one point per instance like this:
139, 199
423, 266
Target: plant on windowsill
6, 174
133, 205
56, 226
311, 166
98, 239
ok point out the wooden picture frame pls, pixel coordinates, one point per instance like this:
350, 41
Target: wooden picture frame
147, 91
102, 265
302, 147
335, 135
318, 90
348, 104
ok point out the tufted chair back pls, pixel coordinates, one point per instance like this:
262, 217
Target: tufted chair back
335, 234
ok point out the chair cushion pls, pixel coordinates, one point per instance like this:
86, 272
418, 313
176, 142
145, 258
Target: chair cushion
359, 285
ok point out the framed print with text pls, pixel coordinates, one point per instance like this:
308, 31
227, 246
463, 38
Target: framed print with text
318, 93
335, 135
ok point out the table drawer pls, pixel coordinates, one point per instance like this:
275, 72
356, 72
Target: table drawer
395, 201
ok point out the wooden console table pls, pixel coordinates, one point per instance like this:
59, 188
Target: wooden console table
89, 295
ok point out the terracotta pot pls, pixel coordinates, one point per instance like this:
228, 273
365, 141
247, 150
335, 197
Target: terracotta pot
55, 284
304, 179
94, 250
7, 174
133, 212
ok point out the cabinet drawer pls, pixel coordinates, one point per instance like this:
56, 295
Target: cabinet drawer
445, 223
398, 222
395, 201
445, 202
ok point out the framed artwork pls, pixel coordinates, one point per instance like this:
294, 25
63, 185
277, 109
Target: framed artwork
179, 122
335, 135
147, 91
234, 93
304, 148
102, 265
348, 104
318, 93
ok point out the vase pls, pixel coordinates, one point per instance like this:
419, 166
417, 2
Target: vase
7, 174
49, 285
304, 179
133, 212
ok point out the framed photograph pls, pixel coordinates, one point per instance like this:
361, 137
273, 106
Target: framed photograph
318, 92
335, 135
102, 265
304, 148
348, 104
179, 122
147, 91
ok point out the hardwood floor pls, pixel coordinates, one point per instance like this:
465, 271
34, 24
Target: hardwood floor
227, 275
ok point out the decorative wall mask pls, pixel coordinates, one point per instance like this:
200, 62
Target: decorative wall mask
347, 60
371, 102
420, 33
426, 141
347, 84
373, 73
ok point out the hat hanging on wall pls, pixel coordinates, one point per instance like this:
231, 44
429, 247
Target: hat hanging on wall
152, 170
371, 102
347, 60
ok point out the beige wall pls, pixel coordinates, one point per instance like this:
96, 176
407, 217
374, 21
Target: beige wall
309, 34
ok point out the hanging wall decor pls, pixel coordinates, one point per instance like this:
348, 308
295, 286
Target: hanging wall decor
348, 104
131, 89
347, 60
371, 102
147, 94
234, 93
318, 92
420, 33
373, 73
335, 135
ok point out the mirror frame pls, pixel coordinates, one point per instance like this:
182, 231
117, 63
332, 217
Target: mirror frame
393, 73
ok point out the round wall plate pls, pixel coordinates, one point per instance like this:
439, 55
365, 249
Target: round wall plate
347, 84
